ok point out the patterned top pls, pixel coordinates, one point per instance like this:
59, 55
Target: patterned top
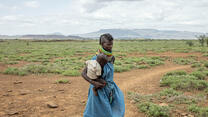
93, 69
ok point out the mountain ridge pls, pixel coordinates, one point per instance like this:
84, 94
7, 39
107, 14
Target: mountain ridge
144, 34
116, 33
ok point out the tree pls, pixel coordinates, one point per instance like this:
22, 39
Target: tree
206, 40
190, 43
201, 39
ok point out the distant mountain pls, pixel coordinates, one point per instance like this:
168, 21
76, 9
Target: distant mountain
55, 33
41, 36
117, 33
143, 34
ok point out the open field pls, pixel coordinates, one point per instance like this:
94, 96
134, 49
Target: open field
159, 78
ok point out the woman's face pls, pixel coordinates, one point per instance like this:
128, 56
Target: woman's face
107, 45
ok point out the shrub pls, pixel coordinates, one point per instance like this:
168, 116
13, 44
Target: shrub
184, 82
153, 110
184, 61
206, 55
199, 74
181, 72
35, 68
201, 39
62, 81
199, 111
169, 92
121, 68
11, 62
71, 73
196, 65
193, 108
15, 71
189, 43
183, 99
142, 66
206, 64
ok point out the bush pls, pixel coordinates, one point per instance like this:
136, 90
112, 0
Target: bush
184, 82
196, 65
199, 111
11, 62
193, 108
200, 75
201, 39
206, 55
15, 71
206, 64
183, 99
153, 110
62, 81
71, 73
189, 43
182, 72
169, 92
35, 68
121, 68
184, 61
142, 66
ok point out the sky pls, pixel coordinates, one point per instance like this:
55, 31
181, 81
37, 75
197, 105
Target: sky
68, 17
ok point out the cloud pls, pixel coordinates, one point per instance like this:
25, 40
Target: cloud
10, 8
84, 16
32, 4
94, 5
1, 5
118, 0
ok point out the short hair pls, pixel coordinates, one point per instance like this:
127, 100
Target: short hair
107, 36
102, 57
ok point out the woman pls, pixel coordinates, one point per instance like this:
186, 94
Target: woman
110, 99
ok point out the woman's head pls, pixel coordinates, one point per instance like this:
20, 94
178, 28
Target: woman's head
106, 41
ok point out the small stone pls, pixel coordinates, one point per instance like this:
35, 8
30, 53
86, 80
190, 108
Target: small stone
54, 96
1, 114
9, 90
17, 82
132, 101
184, 114
13, 112
189, 115
6, 94
62, 109
25, 92
61, 90
41, 90
163, 97
163, 104
52, 105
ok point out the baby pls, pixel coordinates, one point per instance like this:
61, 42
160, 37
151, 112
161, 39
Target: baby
94, 69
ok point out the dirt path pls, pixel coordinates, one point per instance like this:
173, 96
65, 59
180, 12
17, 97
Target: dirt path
71, 98
144, 82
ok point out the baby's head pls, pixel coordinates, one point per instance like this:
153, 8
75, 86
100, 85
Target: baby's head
102, 59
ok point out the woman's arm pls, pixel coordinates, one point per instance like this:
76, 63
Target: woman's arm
96, 84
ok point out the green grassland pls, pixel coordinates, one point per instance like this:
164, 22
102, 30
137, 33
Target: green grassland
68, 57
24, 57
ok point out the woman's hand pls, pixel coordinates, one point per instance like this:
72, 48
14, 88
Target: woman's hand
94, 83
